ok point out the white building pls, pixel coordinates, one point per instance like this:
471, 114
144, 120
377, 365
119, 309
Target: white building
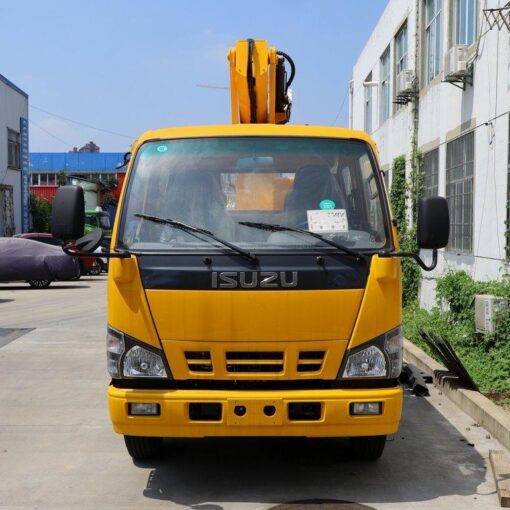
451, 66
14, 210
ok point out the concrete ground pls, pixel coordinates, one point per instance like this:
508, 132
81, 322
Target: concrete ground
58, 451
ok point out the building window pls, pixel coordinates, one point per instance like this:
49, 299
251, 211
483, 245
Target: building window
465, 16
385, 85
368, 105
34, 181
507, 227
459, 191
431, 173
433, 38
12, 149
401, 50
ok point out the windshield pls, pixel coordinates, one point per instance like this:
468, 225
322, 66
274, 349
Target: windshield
326, 186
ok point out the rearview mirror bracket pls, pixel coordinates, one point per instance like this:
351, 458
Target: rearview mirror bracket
104, 255
414, 256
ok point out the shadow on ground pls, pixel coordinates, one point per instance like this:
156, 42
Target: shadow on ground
427, 459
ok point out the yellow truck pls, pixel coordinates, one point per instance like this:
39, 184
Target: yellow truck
255, 285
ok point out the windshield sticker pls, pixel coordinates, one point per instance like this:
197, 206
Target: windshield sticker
327, 204
327, 220
162, 148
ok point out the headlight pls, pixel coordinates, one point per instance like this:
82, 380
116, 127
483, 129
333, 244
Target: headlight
127, 357
382, 357
140, 362
369, 362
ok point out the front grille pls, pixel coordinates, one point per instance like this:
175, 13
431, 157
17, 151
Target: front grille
254, 362
199, 361
310, 361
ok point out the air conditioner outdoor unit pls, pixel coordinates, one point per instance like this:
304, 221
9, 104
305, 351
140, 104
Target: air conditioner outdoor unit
405, 82
486, 307
455, 61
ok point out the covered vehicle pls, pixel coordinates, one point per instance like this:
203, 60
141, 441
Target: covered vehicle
34, 262
87, 265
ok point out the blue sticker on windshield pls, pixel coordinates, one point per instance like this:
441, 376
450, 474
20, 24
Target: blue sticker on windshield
162, 148
327, 204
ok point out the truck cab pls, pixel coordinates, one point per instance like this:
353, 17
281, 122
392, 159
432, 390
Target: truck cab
280, 333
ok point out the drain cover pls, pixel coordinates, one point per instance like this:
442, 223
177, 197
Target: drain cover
321, 504
9, 334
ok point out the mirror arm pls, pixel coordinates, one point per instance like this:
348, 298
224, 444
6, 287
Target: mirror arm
106, 255
414, 256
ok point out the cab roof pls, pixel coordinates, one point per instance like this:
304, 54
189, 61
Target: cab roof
253, 130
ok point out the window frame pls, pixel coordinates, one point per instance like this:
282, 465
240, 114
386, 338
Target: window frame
13, 149
456, 200
433, 39
401, 62
469, 38
368, 106
385, 86
431, 190
507, 225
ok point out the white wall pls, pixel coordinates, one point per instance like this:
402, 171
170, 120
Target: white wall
444, 113
13, 105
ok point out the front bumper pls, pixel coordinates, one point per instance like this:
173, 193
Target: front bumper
335, 419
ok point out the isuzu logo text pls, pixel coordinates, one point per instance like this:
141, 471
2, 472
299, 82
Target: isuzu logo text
253, 279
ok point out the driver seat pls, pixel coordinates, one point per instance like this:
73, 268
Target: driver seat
312, 184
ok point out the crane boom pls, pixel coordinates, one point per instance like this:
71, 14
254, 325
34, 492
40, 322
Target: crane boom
259, 88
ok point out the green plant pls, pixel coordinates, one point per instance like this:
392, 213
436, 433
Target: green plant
40, 210
458, 290
398, 193
489, 367
401, 191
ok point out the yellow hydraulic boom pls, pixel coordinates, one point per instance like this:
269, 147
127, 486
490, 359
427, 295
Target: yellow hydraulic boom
259, 86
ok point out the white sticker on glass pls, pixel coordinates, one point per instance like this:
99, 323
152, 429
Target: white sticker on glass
327, 220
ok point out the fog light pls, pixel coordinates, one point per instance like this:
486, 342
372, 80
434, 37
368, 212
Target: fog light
366, 408
144, 409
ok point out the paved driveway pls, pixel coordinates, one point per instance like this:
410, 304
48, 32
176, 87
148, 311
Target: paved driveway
57, 449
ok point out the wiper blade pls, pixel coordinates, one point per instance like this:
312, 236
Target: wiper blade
281, 228
197, 230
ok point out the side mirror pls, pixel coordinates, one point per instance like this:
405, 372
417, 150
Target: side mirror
68, 213
433, 226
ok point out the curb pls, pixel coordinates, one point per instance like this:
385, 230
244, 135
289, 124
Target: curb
487, 414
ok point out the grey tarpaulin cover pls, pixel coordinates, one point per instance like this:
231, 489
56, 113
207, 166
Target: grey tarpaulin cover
23, 259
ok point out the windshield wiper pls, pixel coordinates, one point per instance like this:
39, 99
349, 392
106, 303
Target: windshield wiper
197, 230
280, 228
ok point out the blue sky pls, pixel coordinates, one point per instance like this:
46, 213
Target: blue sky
126, 66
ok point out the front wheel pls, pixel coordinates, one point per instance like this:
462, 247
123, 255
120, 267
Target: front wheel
39, 284
368, 448
141, 448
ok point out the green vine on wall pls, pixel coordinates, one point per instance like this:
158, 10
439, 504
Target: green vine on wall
398, 193
402, 192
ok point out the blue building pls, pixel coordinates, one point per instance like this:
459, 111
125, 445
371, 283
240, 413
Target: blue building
50, 169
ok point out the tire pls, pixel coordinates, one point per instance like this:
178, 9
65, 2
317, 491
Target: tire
39, 284
142, 448
96, 269
368, 448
